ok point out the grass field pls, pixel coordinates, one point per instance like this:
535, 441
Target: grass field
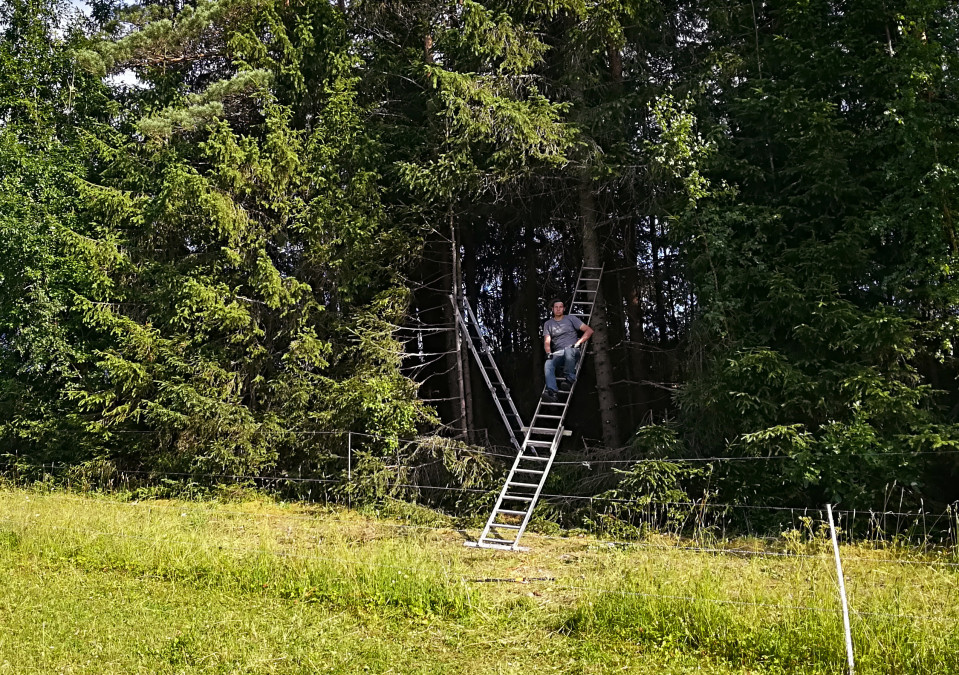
97, 585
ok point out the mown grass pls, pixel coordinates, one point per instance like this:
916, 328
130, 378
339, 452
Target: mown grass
96, 585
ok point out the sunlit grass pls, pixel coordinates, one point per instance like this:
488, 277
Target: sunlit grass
92, 585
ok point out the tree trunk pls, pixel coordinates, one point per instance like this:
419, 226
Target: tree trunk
660, 311
592, 257
635, 346
459, 370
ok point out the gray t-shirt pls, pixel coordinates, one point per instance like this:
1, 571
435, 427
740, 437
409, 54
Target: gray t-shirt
563, 333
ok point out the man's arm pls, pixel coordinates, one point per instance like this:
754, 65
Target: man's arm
587, 333
546, 344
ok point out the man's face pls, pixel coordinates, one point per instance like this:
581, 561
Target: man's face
558, 309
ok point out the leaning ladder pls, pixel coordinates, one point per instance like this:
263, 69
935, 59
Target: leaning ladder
494, 380
526, 478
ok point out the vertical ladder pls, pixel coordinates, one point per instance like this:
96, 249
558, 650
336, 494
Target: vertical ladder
526, 478
473, 335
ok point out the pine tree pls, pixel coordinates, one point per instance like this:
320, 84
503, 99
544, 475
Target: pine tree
815, 272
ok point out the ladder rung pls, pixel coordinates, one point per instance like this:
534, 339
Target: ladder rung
544, 426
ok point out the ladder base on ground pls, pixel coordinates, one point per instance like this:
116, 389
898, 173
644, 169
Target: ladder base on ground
541, 438
501, 547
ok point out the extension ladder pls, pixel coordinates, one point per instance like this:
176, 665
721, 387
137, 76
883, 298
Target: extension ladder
526, 478
473, 335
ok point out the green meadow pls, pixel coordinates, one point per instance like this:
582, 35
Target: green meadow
95, 584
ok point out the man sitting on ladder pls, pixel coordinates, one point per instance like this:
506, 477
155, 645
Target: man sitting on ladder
562, 340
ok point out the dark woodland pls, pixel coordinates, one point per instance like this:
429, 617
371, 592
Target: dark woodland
232, 231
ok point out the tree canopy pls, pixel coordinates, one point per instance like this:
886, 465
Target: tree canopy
231, 230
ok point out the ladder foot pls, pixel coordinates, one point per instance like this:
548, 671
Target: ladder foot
499, 547
543, 434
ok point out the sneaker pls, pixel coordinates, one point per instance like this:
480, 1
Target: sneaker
550, 396
565, 385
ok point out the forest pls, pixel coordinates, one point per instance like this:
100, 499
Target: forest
230, 232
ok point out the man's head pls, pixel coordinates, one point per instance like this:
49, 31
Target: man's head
557, 307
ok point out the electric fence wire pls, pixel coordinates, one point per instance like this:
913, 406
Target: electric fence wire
746, 603
236, 478
640, 460
603, 543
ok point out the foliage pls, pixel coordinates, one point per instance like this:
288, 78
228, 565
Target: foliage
45, 106
657, 494
819, 271
227, 225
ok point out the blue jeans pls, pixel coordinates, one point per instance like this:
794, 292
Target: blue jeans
565, 360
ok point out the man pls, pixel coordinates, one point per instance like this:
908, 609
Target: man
562, 340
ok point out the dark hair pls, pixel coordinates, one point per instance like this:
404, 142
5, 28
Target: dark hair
554, 301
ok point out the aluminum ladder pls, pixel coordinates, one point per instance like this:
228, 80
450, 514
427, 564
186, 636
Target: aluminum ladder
526, 478
473, 335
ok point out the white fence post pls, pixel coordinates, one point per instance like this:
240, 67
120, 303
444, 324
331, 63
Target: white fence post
349, 468
842, 592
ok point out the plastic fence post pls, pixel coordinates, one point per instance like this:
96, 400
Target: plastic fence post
842, 592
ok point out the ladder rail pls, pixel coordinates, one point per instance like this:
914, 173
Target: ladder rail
490, 522
582, 356
539, 488
497, 401
531, 499
495, 368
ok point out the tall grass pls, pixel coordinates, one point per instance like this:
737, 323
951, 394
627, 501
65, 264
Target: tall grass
568, 605
788, 620
233, 553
